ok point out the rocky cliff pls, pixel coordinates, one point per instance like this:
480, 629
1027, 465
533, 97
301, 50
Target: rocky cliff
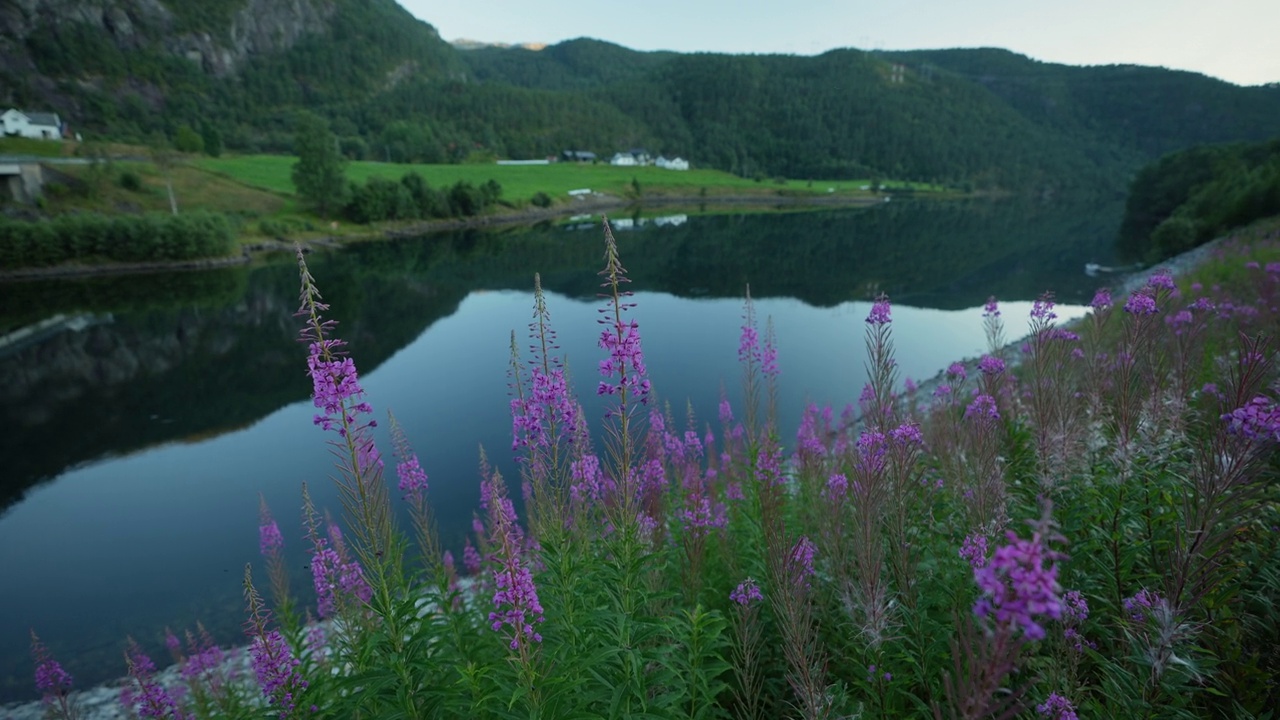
217, 44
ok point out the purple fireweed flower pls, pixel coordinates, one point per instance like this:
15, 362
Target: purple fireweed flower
1252, 265
51, 679
1182, 317
746, 593
942, 391
801, 558
1017, 588
1076, 641
277, 671
1042, 308
982, 406
205, 658
172, 642
334, 383
413, 479
991, 365
471, 559
589, 484
624, 370
700, 515
749, 340
1057, 707
726, 413
808, 444
837, 486
150, 699
1273, 267
515, 597
769, 354
1140, 603
1101, 299
956, 370
879, 312
1075, 608
907, 434
1140, 304
1162, 279
337, 579
991, 309
974, 550
769, 464
1202, 305
871, 449
270, 541
1258, 419
1063, 335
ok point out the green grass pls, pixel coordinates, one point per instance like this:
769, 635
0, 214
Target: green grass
520, 182
31, 146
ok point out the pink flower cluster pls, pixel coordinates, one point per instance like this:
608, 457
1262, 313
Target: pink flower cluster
1019, 585
1258, 419
879, 312
746, 593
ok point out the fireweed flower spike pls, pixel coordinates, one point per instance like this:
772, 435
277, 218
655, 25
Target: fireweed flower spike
624, 369
516, 598
273, 662
746, 593
53, 682
1057, 707
1017, 586
149, 699
336, 390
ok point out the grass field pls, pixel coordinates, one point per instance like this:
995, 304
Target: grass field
31, 146
520, 182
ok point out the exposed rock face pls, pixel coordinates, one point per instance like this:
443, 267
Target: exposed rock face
258, 27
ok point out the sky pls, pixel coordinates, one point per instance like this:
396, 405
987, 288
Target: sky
1234, 40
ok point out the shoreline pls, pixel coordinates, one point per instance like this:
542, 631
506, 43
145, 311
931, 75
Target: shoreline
512, 218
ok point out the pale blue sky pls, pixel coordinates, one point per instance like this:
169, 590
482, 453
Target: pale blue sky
1235, 40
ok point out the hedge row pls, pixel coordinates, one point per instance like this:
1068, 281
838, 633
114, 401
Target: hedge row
124, 238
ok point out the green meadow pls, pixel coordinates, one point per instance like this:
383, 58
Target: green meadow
521, 182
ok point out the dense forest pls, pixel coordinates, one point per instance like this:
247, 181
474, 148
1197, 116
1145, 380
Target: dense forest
393, 90
1189, 197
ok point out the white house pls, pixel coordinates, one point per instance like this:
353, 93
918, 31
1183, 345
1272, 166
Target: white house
673, 164
623, 159
43, 126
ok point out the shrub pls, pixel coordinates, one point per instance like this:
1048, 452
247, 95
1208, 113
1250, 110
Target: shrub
129, 180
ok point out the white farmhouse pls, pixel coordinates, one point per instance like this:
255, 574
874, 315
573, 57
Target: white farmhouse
672, 164
43, 126
623, 159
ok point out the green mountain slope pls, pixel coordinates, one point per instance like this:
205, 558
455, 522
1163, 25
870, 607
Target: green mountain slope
393, 90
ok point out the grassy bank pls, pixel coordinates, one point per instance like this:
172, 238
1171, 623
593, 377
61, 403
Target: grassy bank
521, 182
257, 195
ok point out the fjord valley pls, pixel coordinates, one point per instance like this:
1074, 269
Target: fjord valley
889, 391
393, 90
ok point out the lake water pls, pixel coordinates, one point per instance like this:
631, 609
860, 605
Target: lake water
144, 415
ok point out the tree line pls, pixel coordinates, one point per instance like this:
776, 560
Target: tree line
1187, 198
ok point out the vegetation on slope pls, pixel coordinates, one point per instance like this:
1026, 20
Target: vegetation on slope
1189, 197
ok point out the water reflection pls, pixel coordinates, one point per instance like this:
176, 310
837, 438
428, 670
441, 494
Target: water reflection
139, 441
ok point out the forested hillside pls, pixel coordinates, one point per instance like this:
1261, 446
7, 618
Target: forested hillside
237, 71
1189, 197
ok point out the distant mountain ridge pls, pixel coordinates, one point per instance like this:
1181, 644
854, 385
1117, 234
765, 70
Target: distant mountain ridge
392, 89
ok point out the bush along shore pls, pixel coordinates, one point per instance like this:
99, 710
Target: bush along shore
1090, 533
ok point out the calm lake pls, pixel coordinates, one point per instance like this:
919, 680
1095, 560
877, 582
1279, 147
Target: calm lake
144, 415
